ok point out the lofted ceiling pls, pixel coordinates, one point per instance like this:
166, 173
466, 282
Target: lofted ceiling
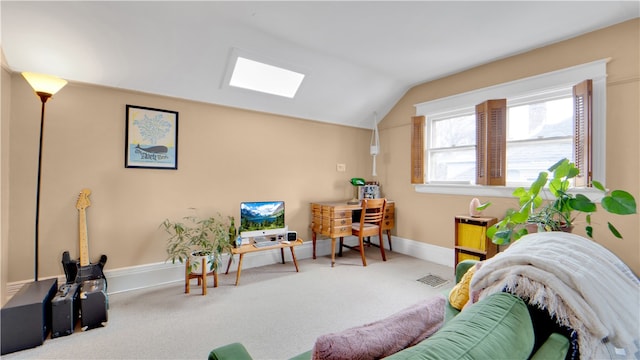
360, 57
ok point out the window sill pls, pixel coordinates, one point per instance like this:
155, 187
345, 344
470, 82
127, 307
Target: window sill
495, 191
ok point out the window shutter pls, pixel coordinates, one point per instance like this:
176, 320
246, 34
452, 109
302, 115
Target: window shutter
491, 142
582, 132
417, 149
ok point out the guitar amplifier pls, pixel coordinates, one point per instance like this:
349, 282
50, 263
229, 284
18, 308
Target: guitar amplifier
93, 303
65, 310
26, 317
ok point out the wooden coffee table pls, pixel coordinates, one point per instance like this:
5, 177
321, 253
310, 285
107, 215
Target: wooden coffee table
249, 248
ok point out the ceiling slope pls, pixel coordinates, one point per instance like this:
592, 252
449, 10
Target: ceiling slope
360, 56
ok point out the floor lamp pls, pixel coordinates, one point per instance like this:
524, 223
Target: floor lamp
44, 86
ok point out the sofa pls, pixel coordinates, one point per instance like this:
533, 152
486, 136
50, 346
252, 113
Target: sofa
500, 326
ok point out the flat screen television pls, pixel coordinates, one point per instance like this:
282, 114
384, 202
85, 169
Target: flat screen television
262, 218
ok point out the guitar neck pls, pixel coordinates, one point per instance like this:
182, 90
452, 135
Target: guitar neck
84, 244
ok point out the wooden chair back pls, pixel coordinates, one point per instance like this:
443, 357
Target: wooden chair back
372, 212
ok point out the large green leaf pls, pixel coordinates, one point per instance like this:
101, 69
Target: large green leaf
560, 169
557, 164
520, 218
519, 192
582, 203
619, 202
573, 171
555, 186
538, 184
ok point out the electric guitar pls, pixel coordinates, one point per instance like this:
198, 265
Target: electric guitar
78, 271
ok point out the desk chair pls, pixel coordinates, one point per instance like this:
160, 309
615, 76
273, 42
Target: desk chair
370, 224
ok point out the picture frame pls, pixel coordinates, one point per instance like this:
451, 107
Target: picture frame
151, 138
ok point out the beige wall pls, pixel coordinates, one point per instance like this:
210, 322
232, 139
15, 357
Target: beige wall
429, 218
230, 155
225, 156
5, 101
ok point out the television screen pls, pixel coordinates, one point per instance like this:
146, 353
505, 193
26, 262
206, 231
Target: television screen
261, 216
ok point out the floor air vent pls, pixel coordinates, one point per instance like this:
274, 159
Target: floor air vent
433, 280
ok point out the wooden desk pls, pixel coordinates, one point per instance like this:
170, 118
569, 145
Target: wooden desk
334, 219
249, 248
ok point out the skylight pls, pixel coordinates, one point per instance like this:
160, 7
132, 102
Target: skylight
270, 79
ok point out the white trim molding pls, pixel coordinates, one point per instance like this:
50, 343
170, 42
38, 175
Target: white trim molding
156, 274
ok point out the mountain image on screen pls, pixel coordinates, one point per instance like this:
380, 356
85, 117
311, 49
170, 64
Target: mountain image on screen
263, 215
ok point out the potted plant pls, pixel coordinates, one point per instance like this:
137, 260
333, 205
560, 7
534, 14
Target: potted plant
197, 237
558, 214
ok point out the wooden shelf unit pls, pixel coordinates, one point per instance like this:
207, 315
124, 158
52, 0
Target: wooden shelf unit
471, 241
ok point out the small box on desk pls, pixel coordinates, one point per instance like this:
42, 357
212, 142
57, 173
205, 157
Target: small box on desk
26, 317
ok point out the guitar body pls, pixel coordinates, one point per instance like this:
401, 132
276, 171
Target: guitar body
75, 273
78, 271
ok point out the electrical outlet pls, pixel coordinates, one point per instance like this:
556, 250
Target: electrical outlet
341, 167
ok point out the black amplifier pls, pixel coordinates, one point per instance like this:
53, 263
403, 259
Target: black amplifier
26, 317
65, 308
93, 303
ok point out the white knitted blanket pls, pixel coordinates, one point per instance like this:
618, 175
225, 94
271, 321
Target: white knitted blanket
580, 282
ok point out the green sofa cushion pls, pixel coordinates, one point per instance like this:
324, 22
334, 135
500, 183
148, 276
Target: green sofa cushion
235, 351
555, 347
500, 323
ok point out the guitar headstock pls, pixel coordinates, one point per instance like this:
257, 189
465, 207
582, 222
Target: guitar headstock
83, 199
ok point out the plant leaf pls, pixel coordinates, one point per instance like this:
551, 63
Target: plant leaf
483, 206
582, 203
519, 218
519, 192
502, 237
557, 164
520, 233
561, 169
619, 202
538, 183
614, 231
589, 230
598, 185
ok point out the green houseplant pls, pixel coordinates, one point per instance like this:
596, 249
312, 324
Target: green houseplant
195, 236
558, 214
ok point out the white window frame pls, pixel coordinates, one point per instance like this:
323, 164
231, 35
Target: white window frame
548, 82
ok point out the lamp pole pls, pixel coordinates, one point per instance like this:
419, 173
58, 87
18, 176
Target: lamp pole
43, 97
44, 86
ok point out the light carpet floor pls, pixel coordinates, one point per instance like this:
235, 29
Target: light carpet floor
275, 312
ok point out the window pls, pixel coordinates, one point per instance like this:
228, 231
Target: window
542, 127
539, 121
451, 149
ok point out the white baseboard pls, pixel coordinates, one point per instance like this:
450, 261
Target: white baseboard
149, 275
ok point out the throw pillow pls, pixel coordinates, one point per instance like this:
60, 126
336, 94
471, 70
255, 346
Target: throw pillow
383, 337
459, 295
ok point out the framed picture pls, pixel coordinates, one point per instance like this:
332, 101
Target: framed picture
151, 139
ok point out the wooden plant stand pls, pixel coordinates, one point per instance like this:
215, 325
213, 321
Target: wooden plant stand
202, 277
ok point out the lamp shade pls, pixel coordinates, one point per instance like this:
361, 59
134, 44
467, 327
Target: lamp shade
42, 83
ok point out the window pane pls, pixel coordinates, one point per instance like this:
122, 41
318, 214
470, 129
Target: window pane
541, 120
458, 131
453, 165
528, 158
538, 135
